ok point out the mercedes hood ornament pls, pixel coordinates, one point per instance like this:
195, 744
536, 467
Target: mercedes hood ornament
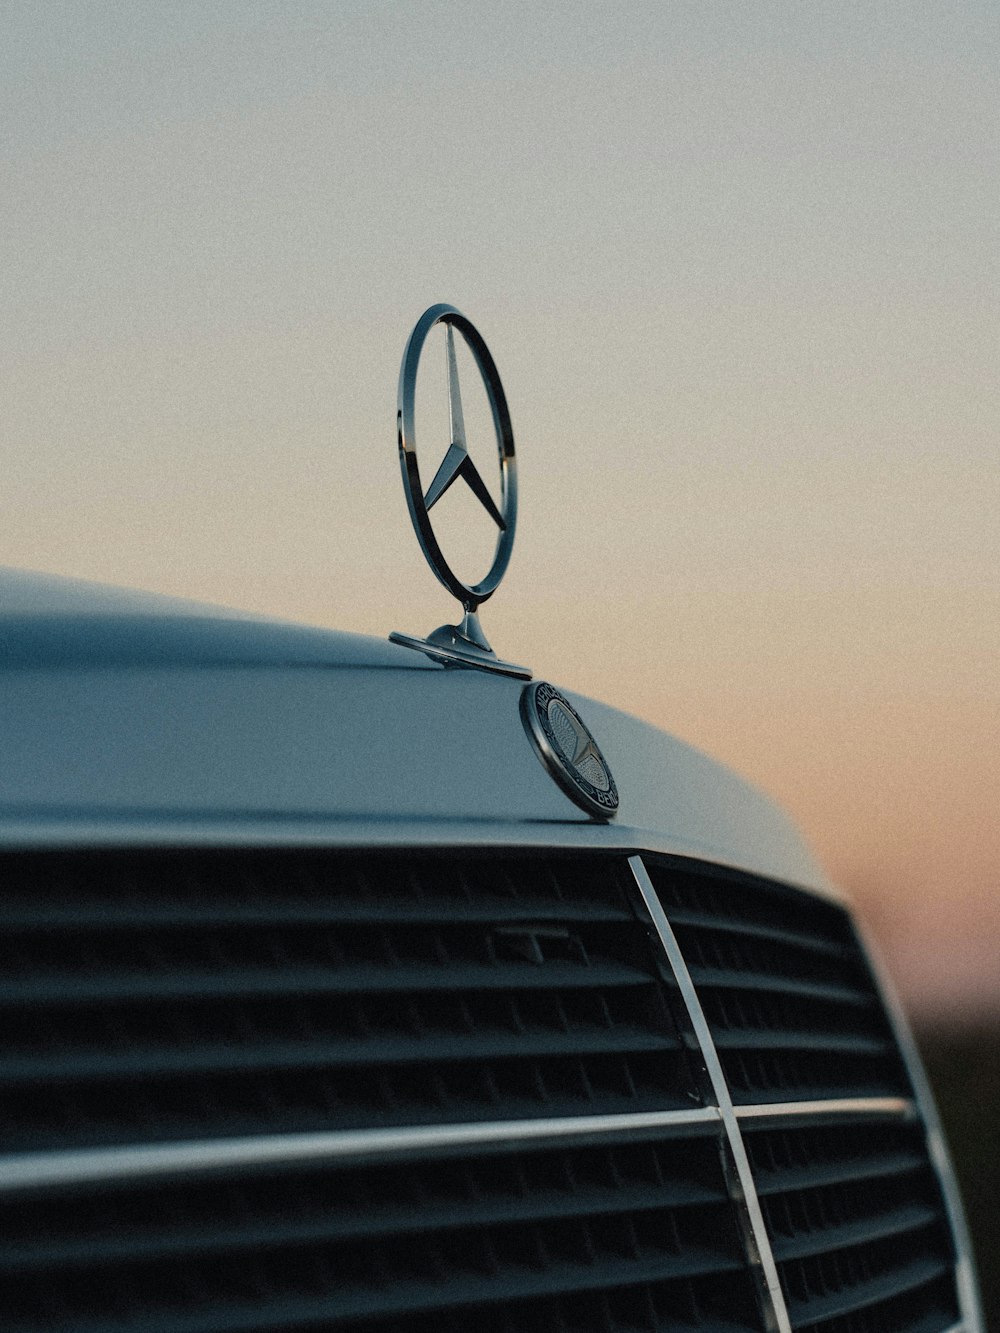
463, 644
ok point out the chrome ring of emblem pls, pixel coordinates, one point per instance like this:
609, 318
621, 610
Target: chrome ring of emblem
457, 463
566, 747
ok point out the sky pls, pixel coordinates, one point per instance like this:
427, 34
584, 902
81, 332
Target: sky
738, 267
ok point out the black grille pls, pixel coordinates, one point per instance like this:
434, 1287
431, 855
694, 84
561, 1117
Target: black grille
854, 1212
857, 1227
640, 1235
791, 1004
153, 998
161, 998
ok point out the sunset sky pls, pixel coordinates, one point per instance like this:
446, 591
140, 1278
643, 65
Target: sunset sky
738, 266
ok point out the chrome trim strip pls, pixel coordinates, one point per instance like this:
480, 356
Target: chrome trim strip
101, 1165
965, 1265
834, 1108
742, 1188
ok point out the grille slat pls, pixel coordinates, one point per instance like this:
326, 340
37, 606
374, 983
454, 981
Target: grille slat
315, 889
762, 1076
251, 982
100, 1065
706, 977
744, 928
773, 1179
737, 1039
867, 1294
874, 1226
827, 1154
247, 1311
926, 1308
211, 915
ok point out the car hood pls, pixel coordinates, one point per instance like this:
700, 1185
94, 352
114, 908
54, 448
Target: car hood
134, 718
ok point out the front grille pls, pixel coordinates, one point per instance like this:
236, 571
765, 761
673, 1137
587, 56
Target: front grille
854, 1213
857, 1228
361, 1001
794, 1012
637, 1225
165, 998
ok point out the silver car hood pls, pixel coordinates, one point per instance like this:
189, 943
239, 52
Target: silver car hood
134, 719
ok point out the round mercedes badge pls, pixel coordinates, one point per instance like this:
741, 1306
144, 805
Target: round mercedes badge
567, 749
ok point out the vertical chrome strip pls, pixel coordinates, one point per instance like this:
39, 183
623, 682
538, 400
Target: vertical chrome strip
755, 1233
965, 1269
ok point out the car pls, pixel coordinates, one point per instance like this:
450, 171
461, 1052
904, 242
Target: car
376, 984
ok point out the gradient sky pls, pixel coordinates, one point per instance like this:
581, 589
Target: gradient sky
737, 264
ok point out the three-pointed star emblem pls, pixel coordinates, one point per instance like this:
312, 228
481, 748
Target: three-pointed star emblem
585, 749
456, 462
566, 747
577, 742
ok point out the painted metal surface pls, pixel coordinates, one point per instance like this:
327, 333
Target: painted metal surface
48, 622
128, 718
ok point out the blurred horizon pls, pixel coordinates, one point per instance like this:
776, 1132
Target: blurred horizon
738, 268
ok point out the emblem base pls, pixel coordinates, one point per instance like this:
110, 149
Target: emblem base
462, 645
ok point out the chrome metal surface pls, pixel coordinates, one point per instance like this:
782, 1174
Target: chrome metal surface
457, 463
464, 644
42, 1170
568, 750
758, 1246
836, 1108
461, 645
